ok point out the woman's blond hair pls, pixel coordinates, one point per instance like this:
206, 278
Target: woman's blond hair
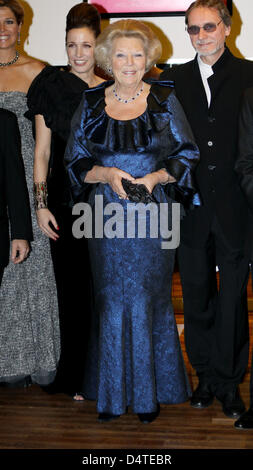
127, 28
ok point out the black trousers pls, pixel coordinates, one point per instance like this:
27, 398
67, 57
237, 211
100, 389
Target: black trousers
216, 317
251, 372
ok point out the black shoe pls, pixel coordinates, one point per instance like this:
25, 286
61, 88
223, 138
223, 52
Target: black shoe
147, 418
106, 417
22, 383
232, 404
202, 397
246, 420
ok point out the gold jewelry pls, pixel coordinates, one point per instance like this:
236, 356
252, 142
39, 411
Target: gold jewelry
40, 195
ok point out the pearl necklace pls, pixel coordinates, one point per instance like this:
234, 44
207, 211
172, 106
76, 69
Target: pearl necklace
5, 64
123, 100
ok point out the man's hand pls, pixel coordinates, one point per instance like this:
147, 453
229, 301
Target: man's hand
19, 250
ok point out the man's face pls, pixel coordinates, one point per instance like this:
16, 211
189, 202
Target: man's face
209, 45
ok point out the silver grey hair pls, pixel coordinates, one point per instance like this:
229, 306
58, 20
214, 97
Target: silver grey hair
127, 28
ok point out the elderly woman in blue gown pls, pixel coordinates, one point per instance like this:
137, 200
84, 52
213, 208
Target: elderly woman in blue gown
134, 130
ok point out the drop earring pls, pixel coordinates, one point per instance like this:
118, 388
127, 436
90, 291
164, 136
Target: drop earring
19, 38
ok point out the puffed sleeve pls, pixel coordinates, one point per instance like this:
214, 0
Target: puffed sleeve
244, 163
55, 94
181, 157
37, 96
78, 160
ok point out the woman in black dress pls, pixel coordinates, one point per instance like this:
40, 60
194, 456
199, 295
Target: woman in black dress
52, 99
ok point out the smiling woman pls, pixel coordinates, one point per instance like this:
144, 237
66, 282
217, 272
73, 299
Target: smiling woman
132, 129
52, 100
11, 18
150, 43
80, 49
128, 65
126, 50
10, 28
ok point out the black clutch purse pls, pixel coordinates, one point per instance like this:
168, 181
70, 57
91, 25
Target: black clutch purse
137, 192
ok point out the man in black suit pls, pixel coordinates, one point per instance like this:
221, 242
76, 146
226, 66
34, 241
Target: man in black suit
14, 200
210, 88
244, 167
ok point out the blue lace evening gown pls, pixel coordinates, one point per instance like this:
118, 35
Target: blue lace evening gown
135, 357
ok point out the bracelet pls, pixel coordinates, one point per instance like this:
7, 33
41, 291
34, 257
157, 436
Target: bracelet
40, 195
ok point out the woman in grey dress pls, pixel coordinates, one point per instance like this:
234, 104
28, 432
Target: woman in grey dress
29, 333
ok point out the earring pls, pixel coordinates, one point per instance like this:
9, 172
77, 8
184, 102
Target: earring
19, 38
109, 70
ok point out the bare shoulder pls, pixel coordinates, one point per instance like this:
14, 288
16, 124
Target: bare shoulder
32, 67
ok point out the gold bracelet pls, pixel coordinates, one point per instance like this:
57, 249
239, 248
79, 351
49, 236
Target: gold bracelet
40, 195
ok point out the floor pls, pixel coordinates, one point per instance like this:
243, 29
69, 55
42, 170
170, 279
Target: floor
32, 419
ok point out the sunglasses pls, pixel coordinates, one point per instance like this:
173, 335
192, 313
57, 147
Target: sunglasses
208, 27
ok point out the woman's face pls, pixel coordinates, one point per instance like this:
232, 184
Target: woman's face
9, 28
80, 50
128, 61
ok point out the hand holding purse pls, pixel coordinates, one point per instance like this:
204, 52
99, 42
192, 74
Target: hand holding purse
137, 192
